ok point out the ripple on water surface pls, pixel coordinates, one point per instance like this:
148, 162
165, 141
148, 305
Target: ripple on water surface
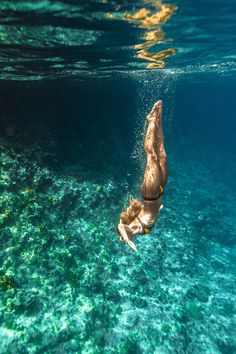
49, 39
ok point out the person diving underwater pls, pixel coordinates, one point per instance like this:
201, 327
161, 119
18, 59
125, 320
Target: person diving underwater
139, 218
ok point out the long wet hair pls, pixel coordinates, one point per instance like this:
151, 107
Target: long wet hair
130, 213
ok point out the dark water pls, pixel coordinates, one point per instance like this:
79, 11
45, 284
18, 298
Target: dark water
74, 96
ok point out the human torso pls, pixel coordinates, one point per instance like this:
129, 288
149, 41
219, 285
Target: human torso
146, 219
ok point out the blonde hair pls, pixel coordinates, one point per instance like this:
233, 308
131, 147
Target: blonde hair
130, 213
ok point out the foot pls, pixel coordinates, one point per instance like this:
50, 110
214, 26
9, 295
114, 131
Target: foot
155, 113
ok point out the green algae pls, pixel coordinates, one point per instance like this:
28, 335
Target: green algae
42, 250
193, 310
77, 289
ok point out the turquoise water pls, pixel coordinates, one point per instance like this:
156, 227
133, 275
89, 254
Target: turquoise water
71, 157
69, 38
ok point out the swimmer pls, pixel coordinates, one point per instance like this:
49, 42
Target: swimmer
139, 218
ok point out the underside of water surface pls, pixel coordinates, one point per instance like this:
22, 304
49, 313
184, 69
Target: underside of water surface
77, 82
50, 39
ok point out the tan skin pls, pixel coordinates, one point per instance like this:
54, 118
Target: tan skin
155, 175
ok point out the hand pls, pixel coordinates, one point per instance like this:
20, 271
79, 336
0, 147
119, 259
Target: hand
132, 245
125, 238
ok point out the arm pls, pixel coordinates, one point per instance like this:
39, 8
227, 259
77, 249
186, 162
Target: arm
125, 237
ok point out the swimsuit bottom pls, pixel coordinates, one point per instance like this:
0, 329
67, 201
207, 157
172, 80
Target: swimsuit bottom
161, 192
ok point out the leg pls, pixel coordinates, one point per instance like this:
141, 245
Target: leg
163, 165
152, 179
151, 182
156, 115
161, 153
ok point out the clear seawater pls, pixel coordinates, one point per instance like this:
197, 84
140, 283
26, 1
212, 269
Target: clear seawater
74, 97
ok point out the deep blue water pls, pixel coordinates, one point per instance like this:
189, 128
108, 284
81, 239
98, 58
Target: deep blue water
71, 143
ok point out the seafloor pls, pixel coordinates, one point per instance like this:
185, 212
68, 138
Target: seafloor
67, 283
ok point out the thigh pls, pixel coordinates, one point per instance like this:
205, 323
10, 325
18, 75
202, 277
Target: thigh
151, 180
163, 165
